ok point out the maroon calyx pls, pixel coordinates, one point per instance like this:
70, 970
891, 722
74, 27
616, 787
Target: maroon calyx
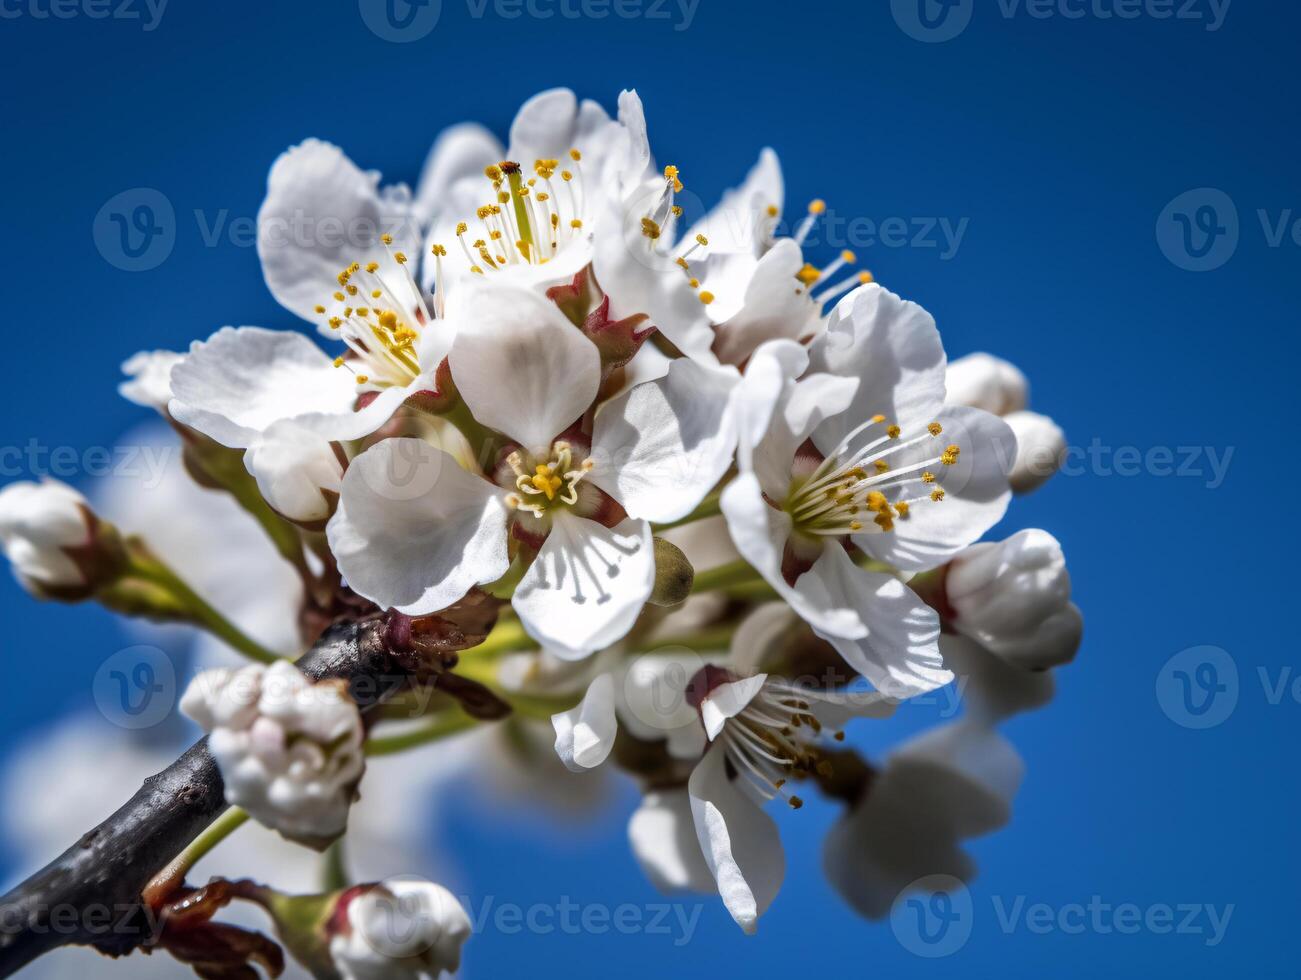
705, 681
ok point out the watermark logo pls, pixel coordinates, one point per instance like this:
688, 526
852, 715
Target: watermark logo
932, 917
1199, 230
135, 231
932, 21
136, 687
401, 21
147, 13
1198, 688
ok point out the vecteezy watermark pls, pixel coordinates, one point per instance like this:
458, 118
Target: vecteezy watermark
936, 21
674, 921
147, 13
146, 463
1200, 230
942, 235
1210, 464
135, 231
404, 21
137, 919
136, 687
1200, 687
935, 917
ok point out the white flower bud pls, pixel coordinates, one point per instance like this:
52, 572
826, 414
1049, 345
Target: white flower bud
1040, 450
149, 378
298, 472
986, 382
289, 750
1014, 599
403, 929
39, 524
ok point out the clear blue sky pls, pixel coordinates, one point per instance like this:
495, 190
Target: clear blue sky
1052, 142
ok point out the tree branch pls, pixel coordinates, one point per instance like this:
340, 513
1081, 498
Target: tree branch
91, 894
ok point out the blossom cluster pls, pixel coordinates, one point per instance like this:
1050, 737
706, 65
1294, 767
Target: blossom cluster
724, 501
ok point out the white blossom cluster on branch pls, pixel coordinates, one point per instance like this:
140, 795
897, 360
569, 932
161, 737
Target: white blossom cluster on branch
724, 507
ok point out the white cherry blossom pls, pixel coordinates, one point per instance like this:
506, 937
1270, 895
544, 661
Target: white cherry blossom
400, 929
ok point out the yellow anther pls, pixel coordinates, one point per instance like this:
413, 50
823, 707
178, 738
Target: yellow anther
928, 477
376, 293
706, 297
902, 508
400, 258
773, 211
878, 419
575, 155
335, 323
388, 320
566, 175
817, 206
462, 227
363, 311
386, 239
440, 251
950, 455
849, 256
351, 290
882, 466
856, 525
320, 309
576, 223
680, 261
339, 297
702, 240
372, 267
671, 175
937, 494
362, 379
935, 428
338, 362
893, 431
693, 282
865, 277
809, 274
650, 228
677, 210
876, 502
492, 172
546, 481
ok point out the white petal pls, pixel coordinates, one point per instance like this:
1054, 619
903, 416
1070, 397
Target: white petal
460, 151
800, 410
991, 688
295, 469
150, 378
587, 585
414, 531
771, 308
759, 634
661, 447
968, 773
760, 533
741, 221
835, 709
768, 376
894, 350
976, 492
727, 701
321, 213
523, 369
640, 280
739, 841
663, 837
241, 380
585, 734
899, 652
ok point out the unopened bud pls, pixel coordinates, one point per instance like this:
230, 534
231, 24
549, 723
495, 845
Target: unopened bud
674, 575
401, 929
1040, 450
1013, 598
58, 548
299, 474
986, 382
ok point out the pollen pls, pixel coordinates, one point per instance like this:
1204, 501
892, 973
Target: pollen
809, 274
706, 297
950, 455
772, 211
935, 428
849, 256
817, 206
386, 239
893, 431
937, 494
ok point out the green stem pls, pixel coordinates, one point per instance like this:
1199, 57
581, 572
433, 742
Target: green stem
711, 506
172, 876
450, 722
725, 576
197, 608
334, 870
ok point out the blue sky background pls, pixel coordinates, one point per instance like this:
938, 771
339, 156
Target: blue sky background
1055, 142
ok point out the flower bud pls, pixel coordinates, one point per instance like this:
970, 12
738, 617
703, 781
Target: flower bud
1014, 599
674, 575
1040, 450
986, 382
402, 929
298, 473
289, 750
58, 547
